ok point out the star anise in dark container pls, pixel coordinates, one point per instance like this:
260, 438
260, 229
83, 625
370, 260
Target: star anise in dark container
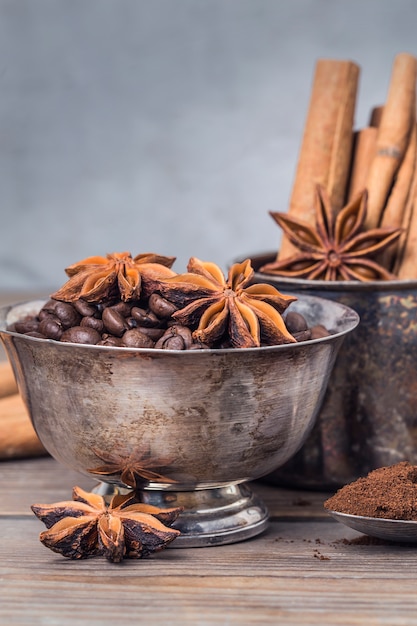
86, 526
227, 311
338, 248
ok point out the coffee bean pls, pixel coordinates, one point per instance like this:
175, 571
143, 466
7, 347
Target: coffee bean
131, 322
26, 326
302, 335
114, 322
93, 322
64, 311
123, 308
175, 338
51, 327
81, 334
67, 315
153, 333
85, 309
295, 322
145, 318
185, 333
135, 339
43, 313
319, 331
174, 342
161, 307
109, 340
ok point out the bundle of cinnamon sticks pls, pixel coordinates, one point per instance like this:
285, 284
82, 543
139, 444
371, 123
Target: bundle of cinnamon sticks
17, 436
380, 157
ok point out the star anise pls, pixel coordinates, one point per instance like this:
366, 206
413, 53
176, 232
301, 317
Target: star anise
134, 468
338, 248
97, 278
87, 526
232, 309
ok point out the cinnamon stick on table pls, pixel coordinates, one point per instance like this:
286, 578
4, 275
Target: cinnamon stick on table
327, 141
7, 380
17, 435
397, 119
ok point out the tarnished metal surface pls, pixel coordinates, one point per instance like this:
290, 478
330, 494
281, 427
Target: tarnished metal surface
176, 420
369, 414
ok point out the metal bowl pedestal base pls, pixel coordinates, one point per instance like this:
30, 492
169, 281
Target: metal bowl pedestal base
211, 517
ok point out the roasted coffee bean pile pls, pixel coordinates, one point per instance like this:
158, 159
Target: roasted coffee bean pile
130, 324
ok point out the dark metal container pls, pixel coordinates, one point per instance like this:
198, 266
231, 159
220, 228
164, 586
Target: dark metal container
368, 418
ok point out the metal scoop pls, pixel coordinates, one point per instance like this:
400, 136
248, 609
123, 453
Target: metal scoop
388, 529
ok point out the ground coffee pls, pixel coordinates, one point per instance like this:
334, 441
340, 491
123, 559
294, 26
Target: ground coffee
387, 492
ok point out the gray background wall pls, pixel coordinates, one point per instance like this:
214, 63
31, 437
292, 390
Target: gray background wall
165, 125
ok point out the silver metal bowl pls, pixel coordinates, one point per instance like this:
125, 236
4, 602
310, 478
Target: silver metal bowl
183, 428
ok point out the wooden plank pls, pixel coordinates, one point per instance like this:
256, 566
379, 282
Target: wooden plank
279, 576
304, 569
40, 480
215, 601
286, 548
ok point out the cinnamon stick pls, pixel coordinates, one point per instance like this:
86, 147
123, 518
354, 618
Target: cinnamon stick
326, 147
406, 265
394, 211
394, 130
7, 380
375, 117
17, 435
402, 240
363, 152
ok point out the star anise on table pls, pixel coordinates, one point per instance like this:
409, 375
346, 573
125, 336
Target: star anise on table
87, 526
227, 311
134, 468
98, 278
338, 248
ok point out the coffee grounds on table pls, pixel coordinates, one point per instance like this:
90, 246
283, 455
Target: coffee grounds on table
388, 492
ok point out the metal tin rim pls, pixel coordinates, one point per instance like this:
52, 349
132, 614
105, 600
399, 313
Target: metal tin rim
326, 285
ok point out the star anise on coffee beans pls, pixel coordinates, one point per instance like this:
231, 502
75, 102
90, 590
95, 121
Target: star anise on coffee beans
231, 311
135, 469
98, 278
87, 526
337, 248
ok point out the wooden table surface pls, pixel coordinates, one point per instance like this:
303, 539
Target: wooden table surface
304, 569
